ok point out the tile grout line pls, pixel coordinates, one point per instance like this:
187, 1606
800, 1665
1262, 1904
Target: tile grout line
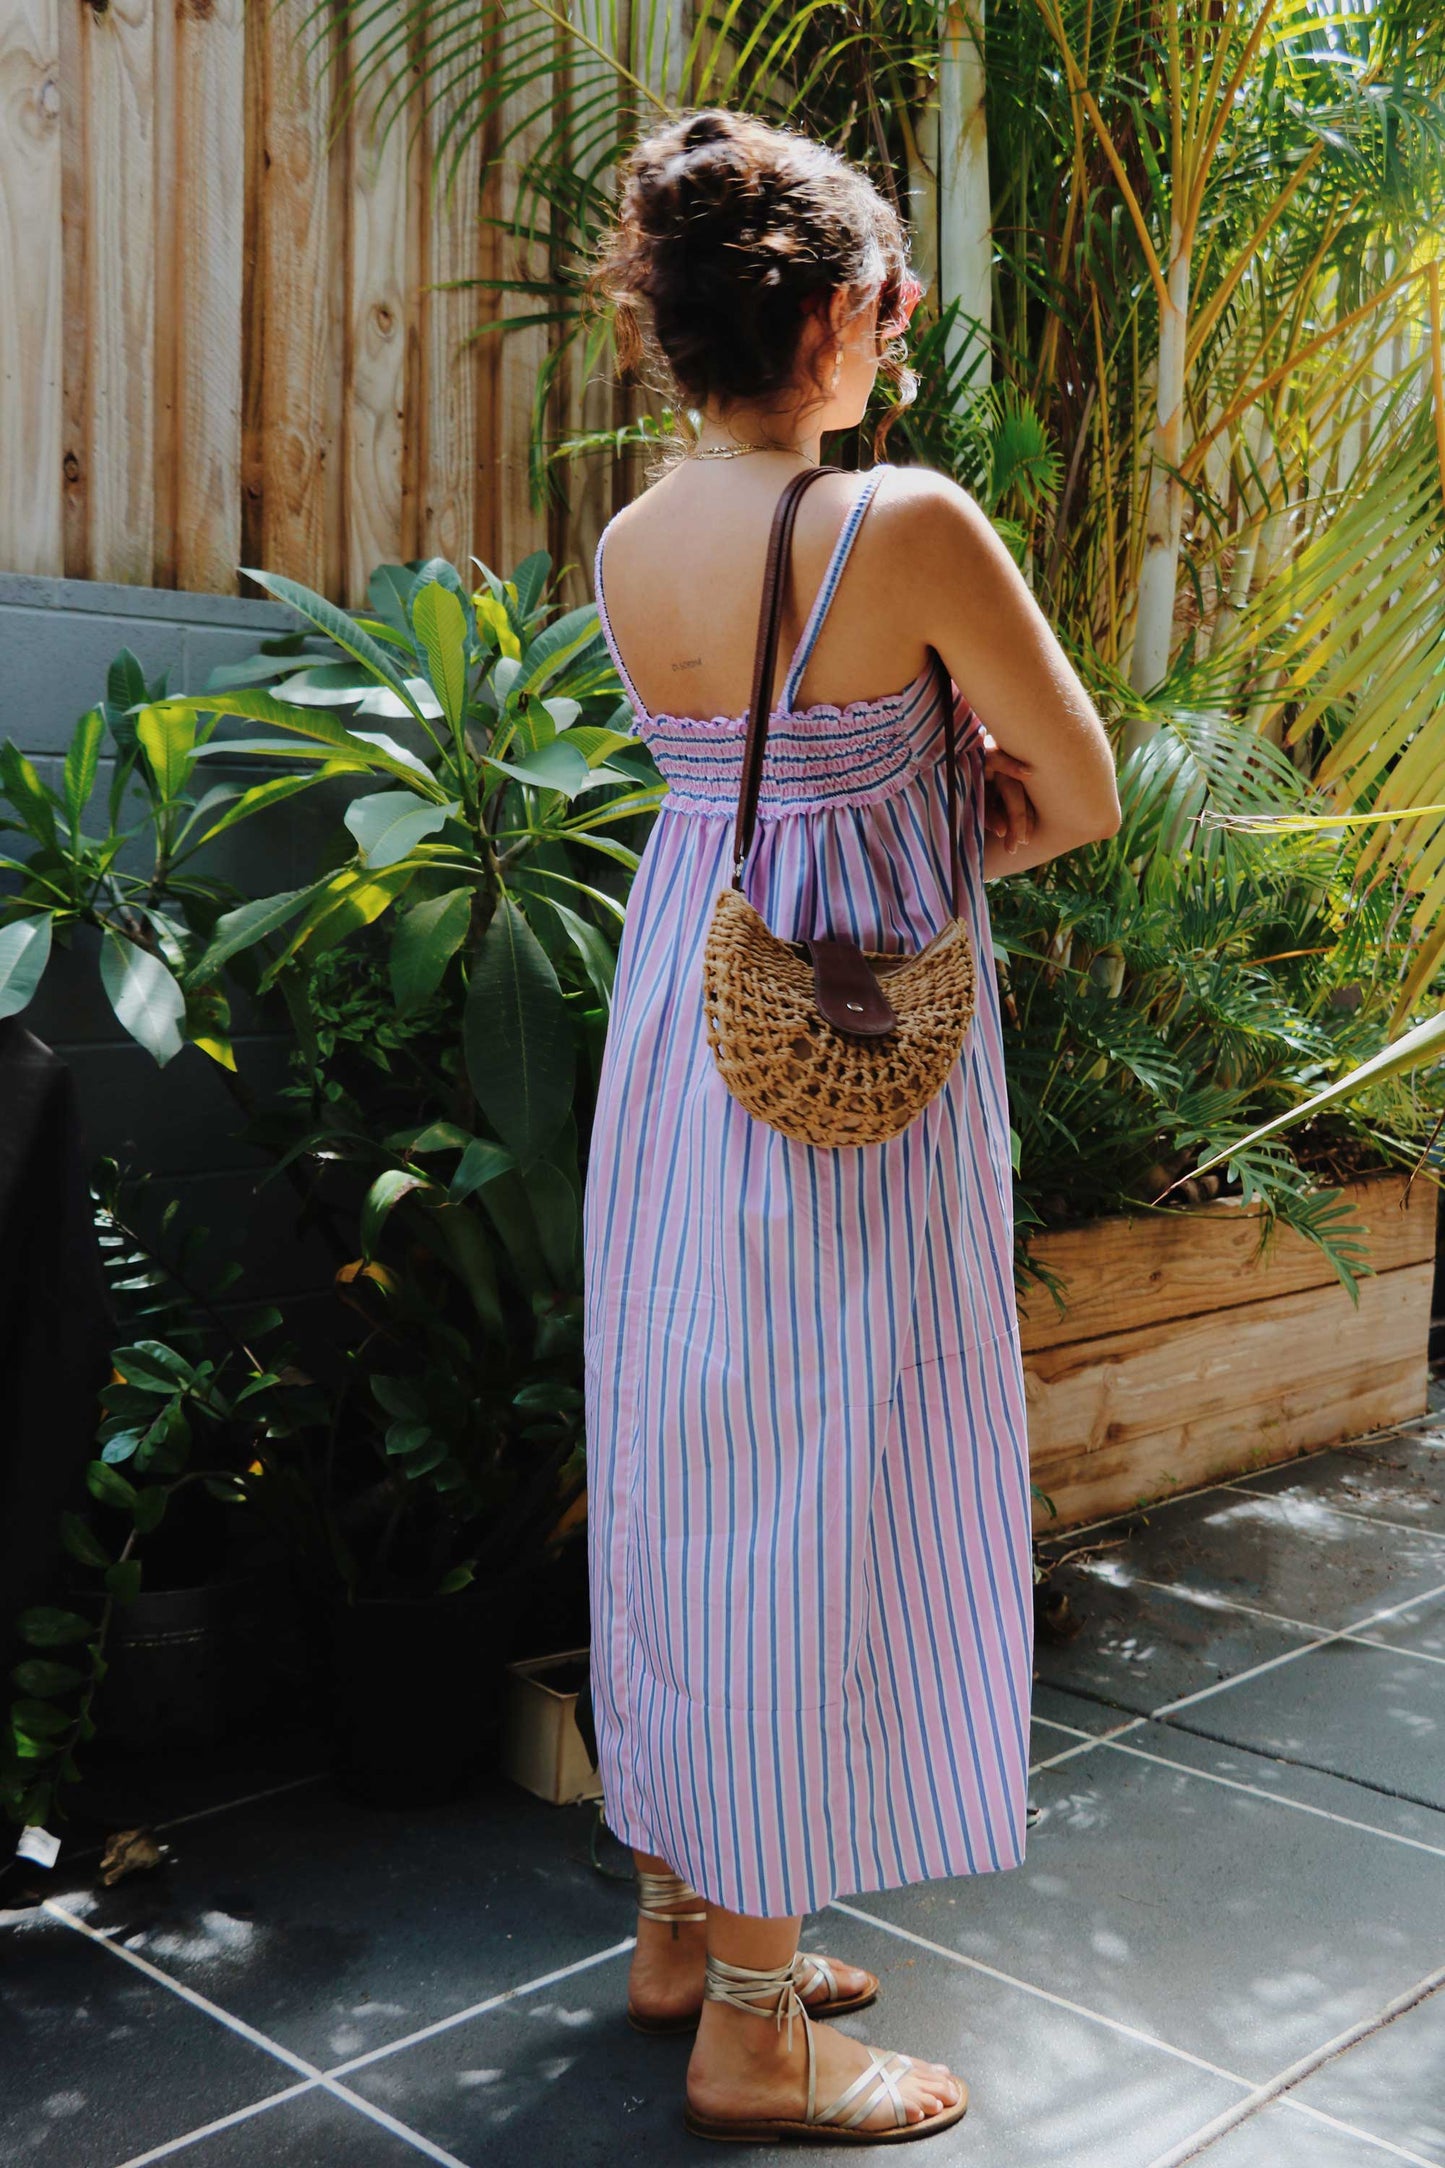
478, 2009
247, 1799
1304, 2067
1290, 1656
1354, 2130
1043, 1994
1111, 1739
1209, 1600
238, 2025
1298, 1806
222, 2122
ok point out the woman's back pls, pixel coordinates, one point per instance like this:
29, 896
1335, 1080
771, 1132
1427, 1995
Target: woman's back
683, 578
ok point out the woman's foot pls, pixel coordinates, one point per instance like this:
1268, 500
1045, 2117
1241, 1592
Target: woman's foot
742, 2068
666, 1979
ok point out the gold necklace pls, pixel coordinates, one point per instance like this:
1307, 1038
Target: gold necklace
738, 451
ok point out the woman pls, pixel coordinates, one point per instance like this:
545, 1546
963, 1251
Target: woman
808, 1480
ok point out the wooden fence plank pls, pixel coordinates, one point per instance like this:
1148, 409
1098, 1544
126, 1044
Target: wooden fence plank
381, 315
210, 149
118, 49
521, 355
298, 319
452, 473
31, 413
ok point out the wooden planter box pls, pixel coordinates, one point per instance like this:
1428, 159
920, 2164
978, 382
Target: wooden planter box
1180, 1359
541, 1745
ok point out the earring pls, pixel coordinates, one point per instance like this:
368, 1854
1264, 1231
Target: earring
837, 366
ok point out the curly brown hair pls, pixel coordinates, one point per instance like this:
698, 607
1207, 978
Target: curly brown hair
729, 230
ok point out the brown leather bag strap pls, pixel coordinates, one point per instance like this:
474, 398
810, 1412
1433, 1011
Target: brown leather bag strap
765, 659
780, 541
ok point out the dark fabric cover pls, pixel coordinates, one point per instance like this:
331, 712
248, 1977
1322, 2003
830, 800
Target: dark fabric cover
55, 1325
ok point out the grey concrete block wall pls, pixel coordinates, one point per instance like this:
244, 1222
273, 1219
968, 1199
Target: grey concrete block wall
179, 1124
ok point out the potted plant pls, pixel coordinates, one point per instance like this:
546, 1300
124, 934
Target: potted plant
452, 949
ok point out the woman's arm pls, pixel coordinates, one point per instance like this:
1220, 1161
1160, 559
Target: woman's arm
974, 606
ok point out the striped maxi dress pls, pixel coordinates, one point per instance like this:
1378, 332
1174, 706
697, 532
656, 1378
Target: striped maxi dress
808, 1499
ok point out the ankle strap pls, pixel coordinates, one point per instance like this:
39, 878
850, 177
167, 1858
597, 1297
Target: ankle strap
737, 1984
656, 1890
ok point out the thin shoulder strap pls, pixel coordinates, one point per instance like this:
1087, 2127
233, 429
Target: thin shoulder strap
828, 587
606, 623
780, 539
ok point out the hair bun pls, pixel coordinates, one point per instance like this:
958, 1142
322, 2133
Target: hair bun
705, 128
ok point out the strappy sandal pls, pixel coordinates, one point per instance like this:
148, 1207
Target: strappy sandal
737, 1984
655, 1891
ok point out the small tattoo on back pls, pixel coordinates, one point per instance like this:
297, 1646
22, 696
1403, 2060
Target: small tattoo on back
693, 662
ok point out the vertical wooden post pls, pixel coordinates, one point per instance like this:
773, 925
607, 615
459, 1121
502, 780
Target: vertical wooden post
381, 311
31, 398
210, 153
113, 342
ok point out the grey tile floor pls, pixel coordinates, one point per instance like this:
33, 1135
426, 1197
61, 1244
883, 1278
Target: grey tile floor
1226, 1944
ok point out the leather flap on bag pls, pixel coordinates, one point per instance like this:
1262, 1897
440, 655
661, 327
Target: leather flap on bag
847, 990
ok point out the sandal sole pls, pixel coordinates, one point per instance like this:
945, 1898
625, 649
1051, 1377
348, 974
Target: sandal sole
752, 2130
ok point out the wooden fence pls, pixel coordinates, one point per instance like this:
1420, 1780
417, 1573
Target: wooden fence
222, 336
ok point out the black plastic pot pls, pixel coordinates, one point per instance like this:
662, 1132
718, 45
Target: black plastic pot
166, 1681
418, 1710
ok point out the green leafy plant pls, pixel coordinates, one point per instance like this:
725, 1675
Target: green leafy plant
191, 1403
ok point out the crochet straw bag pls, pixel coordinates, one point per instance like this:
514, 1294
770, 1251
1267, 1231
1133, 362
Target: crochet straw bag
827, 1042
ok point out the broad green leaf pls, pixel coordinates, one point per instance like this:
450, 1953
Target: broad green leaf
144, 995
517, 1035
260, 798
557, 645
440, 624
243, 927
389, 824
505, 674
167, 737
468, 1249
426, 939
598, 959
81, 765
563, 712
39, 1676
33, 800
340, 906
125, 682
480, 1163
384, 1194
554, 1206
109, 1486
80, 1541
45, 1627
24, 953
431, 1137
386, 591
492, 615
554, 766
152, 1362
337, 626
123, 1579
316, 725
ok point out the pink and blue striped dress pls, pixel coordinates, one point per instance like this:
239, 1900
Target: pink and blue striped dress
808, 1498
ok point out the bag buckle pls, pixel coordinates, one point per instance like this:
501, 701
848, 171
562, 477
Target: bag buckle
847, 989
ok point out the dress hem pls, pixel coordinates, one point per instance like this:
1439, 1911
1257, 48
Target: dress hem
817, 1902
